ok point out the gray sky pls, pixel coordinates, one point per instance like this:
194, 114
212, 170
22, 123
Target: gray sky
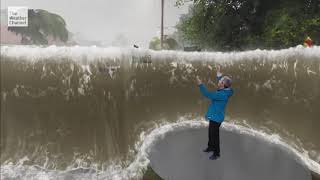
104, 20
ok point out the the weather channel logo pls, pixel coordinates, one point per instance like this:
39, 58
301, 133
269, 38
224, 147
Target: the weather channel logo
17, 16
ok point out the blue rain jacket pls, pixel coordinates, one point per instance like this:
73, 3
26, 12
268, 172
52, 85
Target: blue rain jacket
219, 100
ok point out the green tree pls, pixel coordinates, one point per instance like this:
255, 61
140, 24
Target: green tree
41, 25
155, 44
239, 24
289, 26
169, 43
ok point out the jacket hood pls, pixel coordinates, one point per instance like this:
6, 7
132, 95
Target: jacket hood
228, 91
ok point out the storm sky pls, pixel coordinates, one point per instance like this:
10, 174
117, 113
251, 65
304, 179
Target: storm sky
105, 20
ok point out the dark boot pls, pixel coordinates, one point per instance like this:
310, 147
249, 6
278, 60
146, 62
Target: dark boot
214, 157
208, 150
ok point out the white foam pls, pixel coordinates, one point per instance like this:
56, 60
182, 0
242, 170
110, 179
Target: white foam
138, 165
97, 53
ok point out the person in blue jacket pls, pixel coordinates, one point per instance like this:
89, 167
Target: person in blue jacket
216, 110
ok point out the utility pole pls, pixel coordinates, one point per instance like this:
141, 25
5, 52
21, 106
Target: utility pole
162, 8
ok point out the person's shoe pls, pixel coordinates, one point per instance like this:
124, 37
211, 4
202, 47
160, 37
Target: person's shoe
208, 150
213, 157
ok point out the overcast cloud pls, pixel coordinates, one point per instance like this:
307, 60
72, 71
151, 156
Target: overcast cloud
104, 20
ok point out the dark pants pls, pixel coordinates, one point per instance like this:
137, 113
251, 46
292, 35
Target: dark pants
214, 140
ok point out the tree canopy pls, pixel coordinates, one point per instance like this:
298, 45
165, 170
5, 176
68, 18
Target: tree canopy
245, 24
169, 43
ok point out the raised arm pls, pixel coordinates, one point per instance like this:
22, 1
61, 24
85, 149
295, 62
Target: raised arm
219, 73
204, 91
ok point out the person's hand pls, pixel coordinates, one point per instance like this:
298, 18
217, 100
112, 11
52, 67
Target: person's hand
218, 68
198, 80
